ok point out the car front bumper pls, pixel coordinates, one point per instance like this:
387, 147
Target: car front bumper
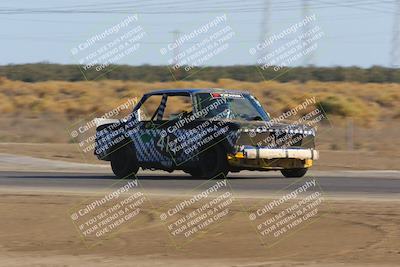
279, 153
259, 158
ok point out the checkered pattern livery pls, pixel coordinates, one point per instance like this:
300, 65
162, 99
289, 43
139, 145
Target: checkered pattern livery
145, 146
149, 147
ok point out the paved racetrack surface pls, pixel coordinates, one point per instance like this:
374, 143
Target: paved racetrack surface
340, 183
27, 173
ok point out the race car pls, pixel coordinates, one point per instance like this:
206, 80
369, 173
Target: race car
205, 133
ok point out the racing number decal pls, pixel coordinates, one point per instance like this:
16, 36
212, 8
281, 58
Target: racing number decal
164, 143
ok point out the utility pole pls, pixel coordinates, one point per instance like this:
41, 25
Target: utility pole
395, 53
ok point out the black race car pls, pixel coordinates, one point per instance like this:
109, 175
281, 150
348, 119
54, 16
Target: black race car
205, 133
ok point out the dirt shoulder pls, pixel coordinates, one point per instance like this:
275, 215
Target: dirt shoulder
36, 230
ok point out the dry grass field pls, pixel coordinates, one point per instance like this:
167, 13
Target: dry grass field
366, 103
363, 118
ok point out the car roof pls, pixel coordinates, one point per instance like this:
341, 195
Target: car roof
194, 91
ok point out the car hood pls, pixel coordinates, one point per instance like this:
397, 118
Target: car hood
278, 127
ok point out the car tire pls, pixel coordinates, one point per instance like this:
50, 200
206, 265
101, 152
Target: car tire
213, 164
290, 173
124, 163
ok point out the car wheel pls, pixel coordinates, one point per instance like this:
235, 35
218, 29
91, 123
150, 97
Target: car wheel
289, 173
124, 163
213, 162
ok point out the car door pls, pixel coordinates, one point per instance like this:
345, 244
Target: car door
170, 126
146, 140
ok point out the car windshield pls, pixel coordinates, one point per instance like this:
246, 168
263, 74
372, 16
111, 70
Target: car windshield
230, 106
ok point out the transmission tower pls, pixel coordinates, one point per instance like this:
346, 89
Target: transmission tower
309, 58
175, 58
395, 53
265, 27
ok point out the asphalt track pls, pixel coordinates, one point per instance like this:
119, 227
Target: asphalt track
367, 184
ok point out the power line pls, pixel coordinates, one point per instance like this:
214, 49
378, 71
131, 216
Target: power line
352, 16
360, 7
241, 8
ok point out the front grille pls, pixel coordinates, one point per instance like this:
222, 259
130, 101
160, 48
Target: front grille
271, 139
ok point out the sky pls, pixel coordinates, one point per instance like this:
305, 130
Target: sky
355, 33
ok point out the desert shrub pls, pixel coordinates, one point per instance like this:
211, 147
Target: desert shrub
362, 101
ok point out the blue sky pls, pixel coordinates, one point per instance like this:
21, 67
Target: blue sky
359, 34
